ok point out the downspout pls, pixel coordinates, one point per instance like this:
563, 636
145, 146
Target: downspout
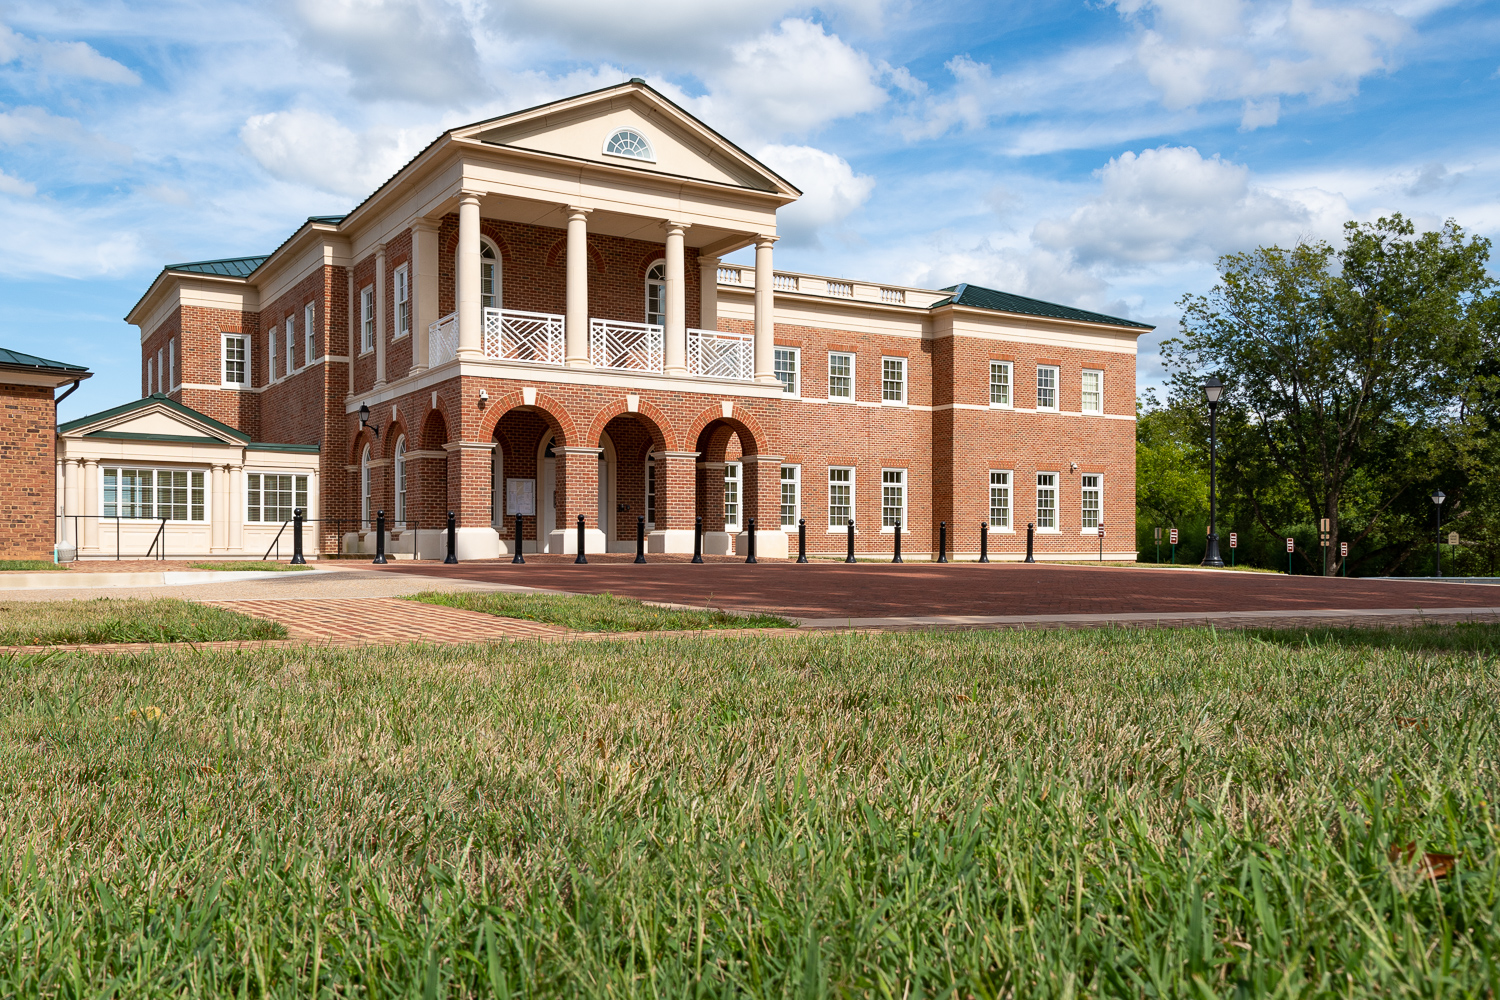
71, 389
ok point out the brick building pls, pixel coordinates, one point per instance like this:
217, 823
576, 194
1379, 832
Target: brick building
534, 315
29, 486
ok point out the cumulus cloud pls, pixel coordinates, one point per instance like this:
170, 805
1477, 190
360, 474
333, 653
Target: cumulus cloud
77, 60
1172, 204
415, 50
38, 126
831, 191
311, 148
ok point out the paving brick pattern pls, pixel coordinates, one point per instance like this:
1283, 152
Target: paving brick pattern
388, 620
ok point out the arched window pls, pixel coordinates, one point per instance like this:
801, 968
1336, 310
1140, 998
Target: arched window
400, 467
630, 143
489, 276
656, 294
364, 487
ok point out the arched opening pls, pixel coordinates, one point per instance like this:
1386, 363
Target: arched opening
723, 501
525, 477
627, 483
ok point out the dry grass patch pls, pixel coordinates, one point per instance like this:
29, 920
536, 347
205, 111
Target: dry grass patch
110, 619
597, 612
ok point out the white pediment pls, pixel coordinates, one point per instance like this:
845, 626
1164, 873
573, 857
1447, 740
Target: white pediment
156, 418
680, 145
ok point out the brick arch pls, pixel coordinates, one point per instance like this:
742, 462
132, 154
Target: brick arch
657, 423
550, 409
434, 429
752, 437
558, 249
650, 258
507, 255
364, 437
393, 434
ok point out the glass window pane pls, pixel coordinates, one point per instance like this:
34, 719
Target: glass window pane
1046, 388
252, 495
892, 497
1046, 500
790, 496
840, 497
999, 499
111, 492
893, 380
999, 383
785, 365
732, 495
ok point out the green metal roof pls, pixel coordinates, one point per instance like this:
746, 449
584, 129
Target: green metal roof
15, 359
154, 399
976, 297
229, 267
326, 220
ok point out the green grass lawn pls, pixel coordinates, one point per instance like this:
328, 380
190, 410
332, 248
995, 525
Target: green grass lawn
1110, 813
248, 566
29, 565
596, 612
107, 619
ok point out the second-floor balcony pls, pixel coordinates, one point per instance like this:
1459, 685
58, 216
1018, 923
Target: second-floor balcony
539, 339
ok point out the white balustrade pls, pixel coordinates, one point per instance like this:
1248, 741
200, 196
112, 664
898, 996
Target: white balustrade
512, 335
630, 346
895, 296
784, 282
841, 289
442, 341
731, 276
716, 354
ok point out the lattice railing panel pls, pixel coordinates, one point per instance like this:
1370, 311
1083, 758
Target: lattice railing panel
442, 341
629, 346
512, 335
714, 354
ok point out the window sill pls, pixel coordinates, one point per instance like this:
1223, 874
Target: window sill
1002, 531
400, 336
1001, 406
847, 400
236, 386
894, 403
1049, 531
1046, 409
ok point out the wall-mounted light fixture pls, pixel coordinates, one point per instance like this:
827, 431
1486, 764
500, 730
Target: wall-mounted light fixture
484, 396
364, 418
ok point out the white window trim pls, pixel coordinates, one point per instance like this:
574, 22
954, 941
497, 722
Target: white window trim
398, 481
1056, 388
905, 382
650, 146
1010, 381
367, 320
993, 529
646, 284
1091, 371
1056, 528
853, 498
646, 491
886, 529
400, 277
172, 364
796, 481
245, 498
224, 362
208, 499
309, 331
853, 360
1094, 531
796, 392
364, 488
739, 479
271, 355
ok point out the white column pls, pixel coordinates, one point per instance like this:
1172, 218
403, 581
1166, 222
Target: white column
765, 320
424, 269
676, 332
379, 315
576, 326
234, 510
708, 293
353, 323
89, 526
469, 319
311, 532
218, 509
71, 499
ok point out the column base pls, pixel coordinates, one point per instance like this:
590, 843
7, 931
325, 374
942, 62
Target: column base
768, 544
567, 541
577, 363
508, 546
717, 543
474, 543
669, 540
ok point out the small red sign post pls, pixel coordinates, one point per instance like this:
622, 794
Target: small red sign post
1291, 546
1344, 558
1101, 543
1234, 543
1173, 538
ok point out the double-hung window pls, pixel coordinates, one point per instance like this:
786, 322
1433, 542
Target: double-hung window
840, 497
236, 360
399, 467
161, 372
1046, 501
150, 385
791, 495
291, 344
999, 500
171, 364
651, 492
787, 364
1093, 392
403, 302
271, 355
841, 376
1046, 387
153, 494
1000, 383
366, 320
272, 497
309, 346
892, 499
1093, 502
732, 496
893, 380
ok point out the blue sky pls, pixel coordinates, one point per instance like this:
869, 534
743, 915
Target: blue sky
1100, 154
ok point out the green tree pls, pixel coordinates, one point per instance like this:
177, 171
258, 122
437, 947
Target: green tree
1350, 373
1171, 470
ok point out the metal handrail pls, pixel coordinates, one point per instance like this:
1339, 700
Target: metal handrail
161, 537
276, 543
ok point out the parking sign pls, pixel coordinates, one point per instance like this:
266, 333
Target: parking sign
1174, 536
1101, 531
1291, 545
1234, 540
1343, 550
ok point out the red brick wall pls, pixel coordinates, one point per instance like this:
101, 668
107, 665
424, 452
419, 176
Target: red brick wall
28, 490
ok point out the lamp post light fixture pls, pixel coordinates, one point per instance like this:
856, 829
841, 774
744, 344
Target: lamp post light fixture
1437, 513
364, 418
1212, 390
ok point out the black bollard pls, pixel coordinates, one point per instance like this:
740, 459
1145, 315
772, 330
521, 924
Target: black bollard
297, 559
379, 559
640, 538
518, 558
1029, 530
452, 557
697, 539
897, 533
750, 547
984, 542
942, 541
850, 557
802, 539
583, 559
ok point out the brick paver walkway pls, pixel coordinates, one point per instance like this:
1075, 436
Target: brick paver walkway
388, 620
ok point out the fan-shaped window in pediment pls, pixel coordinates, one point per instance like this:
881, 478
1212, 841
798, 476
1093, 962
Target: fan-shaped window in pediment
629, 143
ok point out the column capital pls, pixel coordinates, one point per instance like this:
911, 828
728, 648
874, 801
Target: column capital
675, 454
576, 211
380, 251
425, 225
578, 450
763, 240
706, 261
674, 226
469, 195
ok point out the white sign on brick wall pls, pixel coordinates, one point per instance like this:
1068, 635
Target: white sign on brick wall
520, 497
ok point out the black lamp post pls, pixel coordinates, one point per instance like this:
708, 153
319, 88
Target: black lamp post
1212, 390
1437, 515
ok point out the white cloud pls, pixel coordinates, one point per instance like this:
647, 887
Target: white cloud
314, 149
1170, 204
77, 60
38, 126
16, 186
831, 191
40, 238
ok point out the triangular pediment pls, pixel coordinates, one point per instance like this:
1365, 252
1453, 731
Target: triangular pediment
580, 128
154, 417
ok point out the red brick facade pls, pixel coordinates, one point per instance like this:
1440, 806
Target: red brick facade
28, 490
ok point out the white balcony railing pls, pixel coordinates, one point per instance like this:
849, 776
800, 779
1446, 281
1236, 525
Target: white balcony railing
715, 354
512, 335
442, 341
731, 275
630, 346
